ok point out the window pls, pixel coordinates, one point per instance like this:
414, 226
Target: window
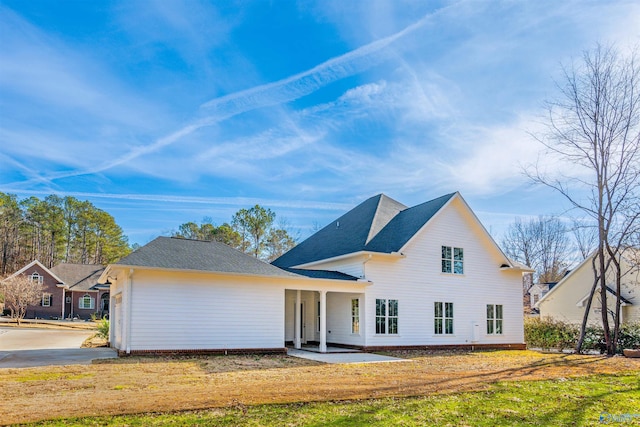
494, 319
86, 302
46, 300
355, 316
386, 316
318, 319
35, 277
443, 318
452, 260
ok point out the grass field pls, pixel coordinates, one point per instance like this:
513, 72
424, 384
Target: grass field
483, 388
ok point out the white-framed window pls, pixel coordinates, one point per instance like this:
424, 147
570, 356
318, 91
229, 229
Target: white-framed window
355, 316
36, 278
443, 318
87, 302
318, 319
386, 316
46, 300
452, 260
494, 319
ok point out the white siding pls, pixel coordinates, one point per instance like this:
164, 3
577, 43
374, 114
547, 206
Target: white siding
339, 319
351, 266
191, 311
416, 282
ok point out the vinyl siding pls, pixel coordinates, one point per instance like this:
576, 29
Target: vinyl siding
416, 282
560, 304
339, 319
191, 311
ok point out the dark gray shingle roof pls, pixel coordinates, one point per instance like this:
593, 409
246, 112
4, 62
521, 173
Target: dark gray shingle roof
322, 274
79, 277
379, 224
184, 254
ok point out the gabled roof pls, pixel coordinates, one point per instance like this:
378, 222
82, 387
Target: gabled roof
584, 299
197, 255
379, 224
31, 264
78, 277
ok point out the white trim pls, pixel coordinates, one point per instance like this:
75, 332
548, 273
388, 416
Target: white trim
31, 264
395, 254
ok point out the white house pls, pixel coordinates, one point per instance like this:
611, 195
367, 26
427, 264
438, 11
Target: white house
567, 300
383, 275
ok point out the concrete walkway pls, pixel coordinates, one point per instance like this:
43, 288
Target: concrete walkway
343, 357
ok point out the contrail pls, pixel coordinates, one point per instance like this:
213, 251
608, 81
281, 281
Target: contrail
274, 93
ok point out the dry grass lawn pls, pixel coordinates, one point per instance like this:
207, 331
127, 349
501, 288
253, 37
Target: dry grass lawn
157, 384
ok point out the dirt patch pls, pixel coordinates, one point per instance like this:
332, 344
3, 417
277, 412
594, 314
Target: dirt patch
149, 384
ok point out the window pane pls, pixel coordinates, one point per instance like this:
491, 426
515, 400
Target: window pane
457, 267
448, 309
381, 307
393, 307
448, 326
355, 326
438, 309
498, 312
498, 326
489, 311
438, 326
489, 326
393, 325
446, 266
457, 254
380, 325
446, 252
355, 307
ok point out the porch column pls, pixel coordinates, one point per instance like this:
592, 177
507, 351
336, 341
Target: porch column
298, 332
63, 303
323, 321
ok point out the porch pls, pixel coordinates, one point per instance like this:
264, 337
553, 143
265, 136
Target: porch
323, 321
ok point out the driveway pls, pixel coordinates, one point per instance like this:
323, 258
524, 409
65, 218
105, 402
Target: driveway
21, 348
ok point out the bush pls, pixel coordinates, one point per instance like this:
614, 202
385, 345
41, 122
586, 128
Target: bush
548, 333
103, 328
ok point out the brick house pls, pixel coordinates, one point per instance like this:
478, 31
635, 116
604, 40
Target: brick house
70, 291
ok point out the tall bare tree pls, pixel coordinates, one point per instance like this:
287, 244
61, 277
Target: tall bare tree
542, 244
593, 128
20, 292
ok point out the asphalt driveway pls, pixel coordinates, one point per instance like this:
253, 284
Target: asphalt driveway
20, 348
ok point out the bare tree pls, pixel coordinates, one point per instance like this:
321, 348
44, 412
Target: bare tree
594, 130
20, 292
540, 243
586, 238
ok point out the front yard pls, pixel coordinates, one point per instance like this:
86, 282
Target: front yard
447, 389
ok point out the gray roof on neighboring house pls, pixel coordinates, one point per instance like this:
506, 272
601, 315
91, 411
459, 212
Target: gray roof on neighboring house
379, 224
78, 277
184, 254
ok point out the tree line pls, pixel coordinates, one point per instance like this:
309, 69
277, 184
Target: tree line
56, 229
252, 231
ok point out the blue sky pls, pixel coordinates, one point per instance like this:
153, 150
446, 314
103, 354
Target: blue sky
162, 112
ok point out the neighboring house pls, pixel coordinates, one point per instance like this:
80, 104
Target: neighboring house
567, 300
537, 291
70, 291
381, 276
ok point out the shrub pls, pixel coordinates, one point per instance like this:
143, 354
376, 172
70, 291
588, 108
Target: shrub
548, 333
103, 328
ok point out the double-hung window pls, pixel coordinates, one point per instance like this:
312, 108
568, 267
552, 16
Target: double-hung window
452, 260
46, 300
355, 316
494, 319
386, 316
87, 302
443, 318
